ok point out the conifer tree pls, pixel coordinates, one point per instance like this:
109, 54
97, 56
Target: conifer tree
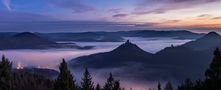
109, 85
159, 86
65, 79
98, 87
187, 85
213, 74
5, 73
117, 85
168, 86
87, 83
214, 71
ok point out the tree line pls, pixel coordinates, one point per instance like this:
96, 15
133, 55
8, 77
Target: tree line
20, 80
65, 81
212, 80
11, 79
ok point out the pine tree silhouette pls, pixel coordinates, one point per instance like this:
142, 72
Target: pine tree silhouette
87, 83
187, 85
5, 74
159, 86
214, 71
117, 85
213, 74
168, 86
109, 85
65, 79
98, 87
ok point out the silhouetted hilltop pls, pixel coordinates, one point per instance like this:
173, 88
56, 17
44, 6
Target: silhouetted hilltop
121, 56
178, 61
26, 34
32, 38
128, 48
29, 40
208, 41
25, 40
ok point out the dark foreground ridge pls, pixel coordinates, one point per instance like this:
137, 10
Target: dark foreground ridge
179, 61
24, 80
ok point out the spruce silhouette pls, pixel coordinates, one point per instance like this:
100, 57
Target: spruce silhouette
117, 85
187, 85
213, 74
159, 86
168, 86
98, 87
109, 85
87, 83
65, 79
214, 71
5, 74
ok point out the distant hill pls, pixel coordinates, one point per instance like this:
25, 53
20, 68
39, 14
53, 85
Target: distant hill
118, 36
27, 40
179, 62
84, 37
121, 56
32, 39
112, 36
209, 41
176, 34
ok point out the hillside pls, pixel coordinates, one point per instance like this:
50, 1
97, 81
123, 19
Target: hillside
27, 40
209, 41
121, 56
176, 61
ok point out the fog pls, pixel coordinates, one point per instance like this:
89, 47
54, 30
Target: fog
50, 58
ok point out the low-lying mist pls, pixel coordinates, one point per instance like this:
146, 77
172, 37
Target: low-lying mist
50, 58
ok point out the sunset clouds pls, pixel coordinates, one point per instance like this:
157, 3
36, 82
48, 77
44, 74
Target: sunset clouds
162, 6
151, 14
75, 5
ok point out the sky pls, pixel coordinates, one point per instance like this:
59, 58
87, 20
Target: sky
109, 15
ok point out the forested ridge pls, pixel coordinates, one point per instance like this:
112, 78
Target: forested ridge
11, 79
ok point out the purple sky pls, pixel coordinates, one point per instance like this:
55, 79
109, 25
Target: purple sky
108, 15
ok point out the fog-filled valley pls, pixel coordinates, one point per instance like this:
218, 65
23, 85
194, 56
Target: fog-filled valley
137, 61
50, 58
110, 45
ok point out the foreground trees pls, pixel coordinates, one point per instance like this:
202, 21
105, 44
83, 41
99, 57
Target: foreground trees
168, 86
14, 79
159, 86
112, 84
5, 73
11, 79
87, 83
212, 79
65, 80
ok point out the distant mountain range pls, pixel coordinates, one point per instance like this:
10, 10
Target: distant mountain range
113, 36
209, 41
180, 62
27, 40
119, 36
